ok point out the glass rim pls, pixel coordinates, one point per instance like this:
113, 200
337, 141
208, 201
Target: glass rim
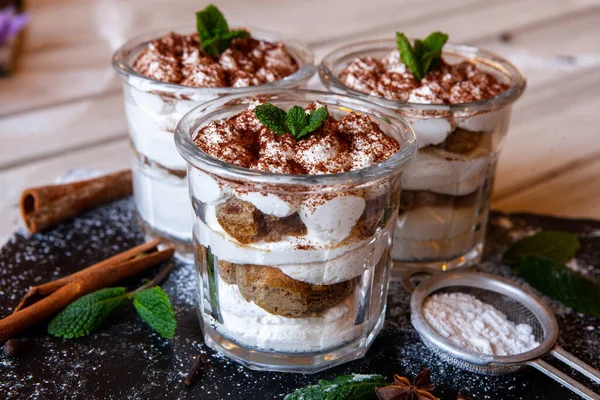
516, 78
301, 52
200, 115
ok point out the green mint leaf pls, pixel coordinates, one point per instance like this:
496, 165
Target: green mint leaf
426, 54
211, 270
558, 282
347, 387
86, 314
154, 306
408, 56
435, 41
235, 34
316, 119
557, 246
419, 49
213, 31
296, 120
272, 117
430, 60
387, 214
431, 57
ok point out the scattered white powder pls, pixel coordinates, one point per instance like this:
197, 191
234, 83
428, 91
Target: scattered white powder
476, 326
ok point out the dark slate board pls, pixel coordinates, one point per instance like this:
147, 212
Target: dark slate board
125, 360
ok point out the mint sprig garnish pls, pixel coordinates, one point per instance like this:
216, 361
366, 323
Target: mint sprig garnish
295, 122
213, 31
86, 314
540, 260
424, 56
348, 387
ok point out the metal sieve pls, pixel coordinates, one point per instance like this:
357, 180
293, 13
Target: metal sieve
520, 305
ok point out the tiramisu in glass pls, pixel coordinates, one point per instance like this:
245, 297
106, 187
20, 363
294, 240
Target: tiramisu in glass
295, 197
459, 106
166, 74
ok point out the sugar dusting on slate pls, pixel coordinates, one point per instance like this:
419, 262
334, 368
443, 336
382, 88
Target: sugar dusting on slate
125, 360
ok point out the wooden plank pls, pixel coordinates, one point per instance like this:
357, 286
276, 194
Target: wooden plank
60, 129
108, 157
95, 29
472, 23
574, 193
552, 127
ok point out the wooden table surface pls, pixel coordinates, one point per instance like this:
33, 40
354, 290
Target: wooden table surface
63, 107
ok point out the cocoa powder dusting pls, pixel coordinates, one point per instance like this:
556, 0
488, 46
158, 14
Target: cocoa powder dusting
448, 84
179, 59
350, 143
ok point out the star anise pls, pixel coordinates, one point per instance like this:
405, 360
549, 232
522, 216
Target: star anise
402, 389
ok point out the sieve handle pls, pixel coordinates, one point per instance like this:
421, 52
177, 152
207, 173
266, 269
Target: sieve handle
576, 363
409, 274
564, 379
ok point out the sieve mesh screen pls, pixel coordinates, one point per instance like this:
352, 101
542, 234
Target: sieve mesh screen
513, 309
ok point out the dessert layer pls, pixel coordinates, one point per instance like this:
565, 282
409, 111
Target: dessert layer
246, 323
296, 257
162, 201
407, 249
278, 294
342, 268
447, 84
436, 222
350, 143
457, 172
179, 59
411, 200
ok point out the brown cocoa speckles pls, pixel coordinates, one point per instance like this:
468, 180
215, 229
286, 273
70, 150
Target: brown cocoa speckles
449, 84
179, 59
350, 143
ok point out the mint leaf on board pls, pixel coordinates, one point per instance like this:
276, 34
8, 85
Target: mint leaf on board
296, 120
408, 55
155, 308
426, 54
316, 119
272, 117
85, 315
557, 246
347, 387
558, 282
213, 31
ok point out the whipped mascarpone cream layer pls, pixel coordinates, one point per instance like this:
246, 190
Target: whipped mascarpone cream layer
252, 326
152, 120
162, 200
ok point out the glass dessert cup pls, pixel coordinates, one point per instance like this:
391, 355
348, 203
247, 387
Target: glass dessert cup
303, 284
153, 109
447, 187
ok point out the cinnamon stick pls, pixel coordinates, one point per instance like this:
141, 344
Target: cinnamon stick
44, 206
36, 292
69, 289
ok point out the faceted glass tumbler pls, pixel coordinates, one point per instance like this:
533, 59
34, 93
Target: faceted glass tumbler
293, 270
